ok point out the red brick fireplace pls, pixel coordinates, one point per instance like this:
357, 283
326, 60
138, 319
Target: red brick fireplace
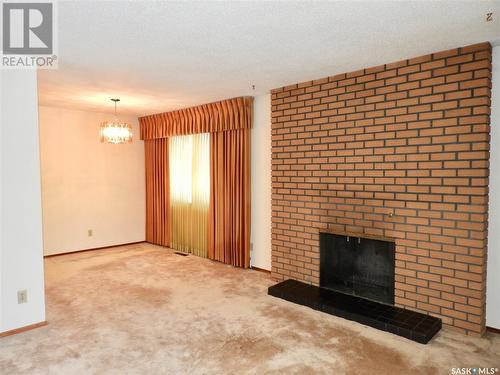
398, 151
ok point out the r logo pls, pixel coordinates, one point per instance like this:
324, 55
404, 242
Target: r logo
27, 28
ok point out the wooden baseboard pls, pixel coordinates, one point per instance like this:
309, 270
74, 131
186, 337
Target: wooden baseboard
261, 270
493, 330
93, 249
23, 329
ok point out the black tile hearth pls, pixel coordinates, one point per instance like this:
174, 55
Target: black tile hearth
410, 324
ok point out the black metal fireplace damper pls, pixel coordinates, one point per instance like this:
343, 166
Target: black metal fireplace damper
357, 283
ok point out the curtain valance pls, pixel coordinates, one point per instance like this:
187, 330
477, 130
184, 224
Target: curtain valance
230, 114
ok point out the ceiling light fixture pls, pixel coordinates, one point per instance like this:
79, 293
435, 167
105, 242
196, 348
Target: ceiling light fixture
115, 131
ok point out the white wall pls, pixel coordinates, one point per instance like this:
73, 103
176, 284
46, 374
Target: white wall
1, 196
261, 183
21, 266
87, 184
493, 281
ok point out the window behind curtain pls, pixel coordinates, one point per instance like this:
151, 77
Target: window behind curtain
189, 159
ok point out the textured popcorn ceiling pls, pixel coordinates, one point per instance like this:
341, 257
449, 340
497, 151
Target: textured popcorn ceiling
159, 56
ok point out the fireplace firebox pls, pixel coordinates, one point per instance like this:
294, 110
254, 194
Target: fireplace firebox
359, 266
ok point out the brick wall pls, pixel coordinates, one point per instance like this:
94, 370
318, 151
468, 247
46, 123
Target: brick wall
409, 137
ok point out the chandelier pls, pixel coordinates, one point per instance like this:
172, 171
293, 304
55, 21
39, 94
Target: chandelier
116, 131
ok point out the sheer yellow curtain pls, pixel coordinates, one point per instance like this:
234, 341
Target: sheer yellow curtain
189, 159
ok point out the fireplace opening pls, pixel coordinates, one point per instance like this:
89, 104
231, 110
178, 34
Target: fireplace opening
358, 266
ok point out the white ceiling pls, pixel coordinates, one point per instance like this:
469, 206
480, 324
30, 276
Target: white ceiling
159, 56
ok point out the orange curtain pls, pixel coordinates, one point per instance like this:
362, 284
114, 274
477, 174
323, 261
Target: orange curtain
228, 123
221, 116
157, 191
229, 211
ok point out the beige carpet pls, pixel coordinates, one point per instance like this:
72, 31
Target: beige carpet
144, 310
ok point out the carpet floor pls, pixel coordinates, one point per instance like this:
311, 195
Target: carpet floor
141, 309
